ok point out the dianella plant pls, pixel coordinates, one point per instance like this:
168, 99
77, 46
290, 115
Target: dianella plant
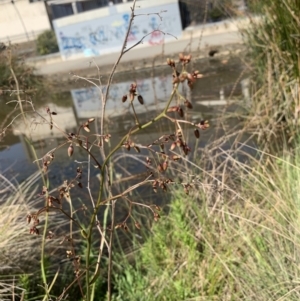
95, 231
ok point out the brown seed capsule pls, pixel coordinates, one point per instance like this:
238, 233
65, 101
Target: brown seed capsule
197, 133
188, 104
173, 145
160, 168
180, 112
137, 225
165, 165
124, 98
203, 125
79, 184
156, 216
70, 150
53, 113
86, 128
157, 208
137, 149
141, 99
173, 109
107, 137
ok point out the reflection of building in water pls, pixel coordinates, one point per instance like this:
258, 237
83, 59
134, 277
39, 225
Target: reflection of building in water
87, 101
38, 131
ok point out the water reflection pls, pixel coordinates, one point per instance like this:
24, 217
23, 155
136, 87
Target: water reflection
154, 91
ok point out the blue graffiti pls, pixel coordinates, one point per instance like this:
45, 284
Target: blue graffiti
121, 30
98, 36
153, 23
71, 42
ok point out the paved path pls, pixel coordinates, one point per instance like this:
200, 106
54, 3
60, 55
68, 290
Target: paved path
212, 35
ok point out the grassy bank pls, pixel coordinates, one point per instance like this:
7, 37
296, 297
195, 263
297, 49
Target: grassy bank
241, 243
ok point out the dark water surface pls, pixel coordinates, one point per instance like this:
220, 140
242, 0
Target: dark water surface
75, 106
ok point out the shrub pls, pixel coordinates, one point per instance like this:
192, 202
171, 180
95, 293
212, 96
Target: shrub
47, 43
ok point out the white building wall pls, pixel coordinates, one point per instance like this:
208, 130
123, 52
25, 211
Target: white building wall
103, 30
34, 17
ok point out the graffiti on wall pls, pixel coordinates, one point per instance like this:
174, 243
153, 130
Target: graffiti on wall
105, 35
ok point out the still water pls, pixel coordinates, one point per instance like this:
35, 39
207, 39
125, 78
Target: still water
82, 101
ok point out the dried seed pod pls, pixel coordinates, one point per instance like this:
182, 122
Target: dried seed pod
160, 168
86, 128
79, 184
156, 216
173, 145
157, 208
107, 137
175, 158
179, 142
188, 104
203, 125
137, 149
165, 165
90, 120
197, 133
137, 225
173, 109
180, 112
141, 99
53, 113
124, 98
70, 150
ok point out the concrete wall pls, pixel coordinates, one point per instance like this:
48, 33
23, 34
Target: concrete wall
103, 30
34, 17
